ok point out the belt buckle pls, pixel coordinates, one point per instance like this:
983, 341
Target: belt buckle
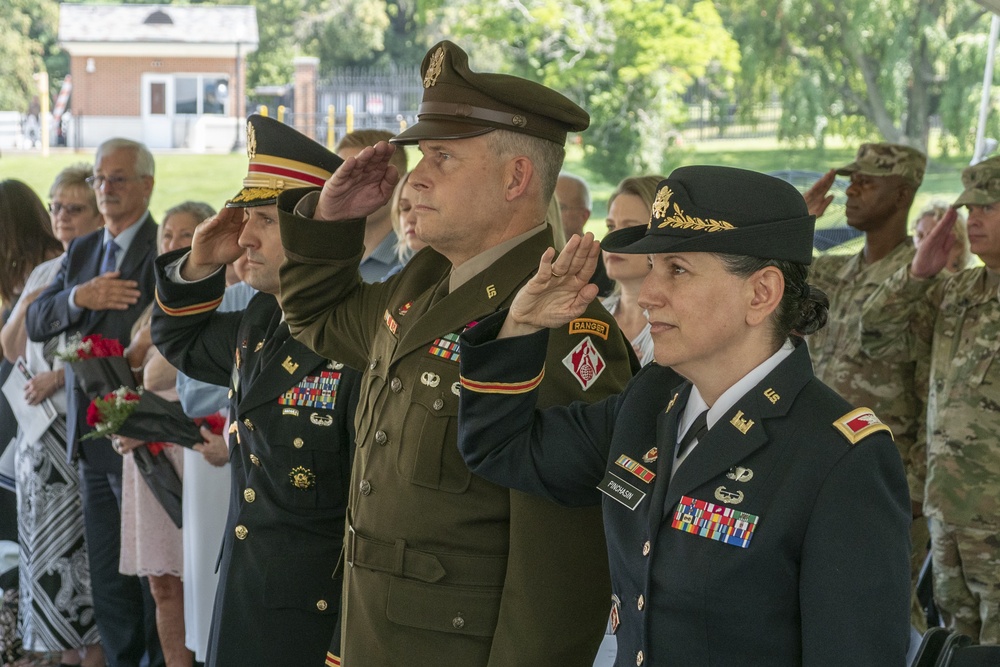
349, 546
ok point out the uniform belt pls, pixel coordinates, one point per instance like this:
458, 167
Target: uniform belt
433, 567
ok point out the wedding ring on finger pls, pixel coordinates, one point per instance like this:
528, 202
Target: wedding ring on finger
557, 275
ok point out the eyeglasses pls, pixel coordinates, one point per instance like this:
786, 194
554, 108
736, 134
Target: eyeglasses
56, 208
98, 182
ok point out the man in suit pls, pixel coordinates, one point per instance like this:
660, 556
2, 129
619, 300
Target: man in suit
291, 413
573, 196
104, 284
444, 568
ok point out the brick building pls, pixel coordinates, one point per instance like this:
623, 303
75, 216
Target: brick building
171, 76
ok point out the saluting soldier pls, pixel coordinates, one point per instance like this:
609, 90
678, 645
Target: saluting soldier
291, 411
954, 324
753, 517
442, 567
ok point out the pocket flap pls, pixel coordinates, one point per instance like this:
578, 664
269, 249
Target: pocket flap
455, 609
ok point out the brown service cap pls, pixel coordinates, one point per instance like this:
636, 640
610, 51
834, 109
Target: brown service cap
461, 103
982, 184
888, 160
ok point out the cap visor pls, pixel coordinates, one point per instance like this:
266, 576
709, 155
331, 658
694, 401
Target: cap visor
622, 240
435, 128
253, 197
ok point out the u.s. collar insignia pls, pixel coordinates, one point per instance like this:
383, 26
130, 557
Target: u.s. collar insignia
651, 456
302, 478
390, 322
289, 365
434, 68
404, 309
251, 141
585, 363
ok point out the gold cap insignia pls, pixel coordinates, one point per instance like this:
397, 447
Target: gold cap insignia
302, 478
434, 68
660, 205
679, 219
251, 141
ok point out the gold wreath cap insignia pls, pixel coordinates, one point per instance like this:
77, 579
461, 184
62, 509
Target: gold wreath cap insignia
251, 141
434, 68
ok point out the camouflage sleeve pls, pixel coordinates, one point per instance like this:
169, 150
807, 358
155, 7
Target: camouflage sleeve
897, 320
326, 304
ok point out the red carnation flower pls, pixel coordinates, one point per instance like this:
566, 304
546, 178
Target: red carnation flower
93, 415
214, 422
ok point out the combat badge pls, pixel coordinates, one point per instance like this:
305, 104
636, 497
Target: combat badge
724, 495
860, 423
321, 420
585, 363
722, 524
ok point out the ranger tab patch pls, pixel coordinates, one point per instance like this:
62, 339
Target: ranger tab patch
314, 391
716, 522
585, 363
860, 423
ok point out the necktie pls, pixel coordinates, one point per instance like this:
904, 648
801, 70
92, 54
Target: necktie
696, 431
110, 254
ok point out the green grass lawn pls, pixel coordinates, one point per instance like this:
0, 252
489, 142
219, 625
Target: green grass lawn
215, 178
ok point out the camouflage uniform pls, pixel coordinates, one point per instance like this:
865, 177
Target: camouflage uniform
955, 323
895, 391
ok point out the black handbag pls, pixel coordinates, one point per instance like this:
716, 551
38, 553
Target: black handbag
161, 478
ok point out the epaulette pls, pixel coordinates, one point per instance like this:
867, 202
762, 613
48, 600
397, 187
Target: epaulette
860, 423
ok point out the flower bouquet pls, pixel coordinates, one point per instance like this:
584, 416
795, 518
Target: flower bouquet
96, 364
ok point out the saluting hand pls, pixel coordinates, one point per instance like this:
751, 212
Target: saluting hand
214, 244
935, 249
559, 292
362, 185
817, 199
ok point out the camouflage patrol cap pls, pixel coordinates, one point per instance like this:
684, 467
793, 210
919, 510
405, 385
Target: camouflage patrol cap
460, 103
888, 160
723, 210
982, 184
281, 158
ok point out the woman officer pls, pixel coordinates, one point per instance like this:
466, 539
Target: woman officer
753, 517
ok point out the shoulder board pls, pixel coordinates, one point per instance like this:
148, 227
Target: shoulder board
860, 423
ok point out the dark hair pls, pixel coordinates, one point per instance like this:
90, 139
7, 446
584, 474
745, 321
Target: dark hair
26, 238
803, 308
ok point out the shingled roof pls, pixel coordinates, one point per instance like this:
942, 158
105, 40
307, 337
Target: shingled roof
193, 24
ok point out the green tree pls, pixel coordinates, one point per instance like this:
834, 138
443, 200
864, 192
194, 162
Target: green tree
862, 68
627, 62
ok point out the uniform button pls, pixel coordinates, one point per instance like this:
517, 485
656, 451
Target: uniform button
230, 393
645, 548
321, 605
373, 364
380, 437
639, 657
242, 532
254, 460
438, 404
298, 443
248, 424
458, 622
249, 495
396, 385
365, 487
641, 603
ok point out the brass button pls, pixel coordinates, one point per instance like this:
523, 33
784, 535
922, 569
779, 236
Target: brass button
249, 495
639, 657
396, 385
458, 622
242, 532
248, 424
641, 603
365, 487
373, 364
380, 437
298, 443
254, 460
438, 404
645, 548
230, 393
321, 605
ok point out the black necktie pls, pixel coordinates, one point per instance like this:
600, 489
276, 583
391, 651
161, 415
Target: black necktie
696, 431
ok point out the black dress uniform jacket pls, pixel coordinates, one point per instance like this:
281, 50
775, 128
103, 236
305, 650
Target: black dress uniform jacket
290, 443
824, 577
445, 568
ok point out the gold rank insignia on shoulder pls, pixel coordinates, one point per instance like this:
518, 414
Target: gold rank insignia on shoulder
741, 424
434, 68
289, 365
860, 423
302, 478
586, 325
671, 403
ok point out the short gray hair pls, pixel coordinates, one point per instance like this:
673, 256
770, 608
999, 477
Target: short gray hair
582, 185
75, 176
144, 164
199, 209
547, 156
